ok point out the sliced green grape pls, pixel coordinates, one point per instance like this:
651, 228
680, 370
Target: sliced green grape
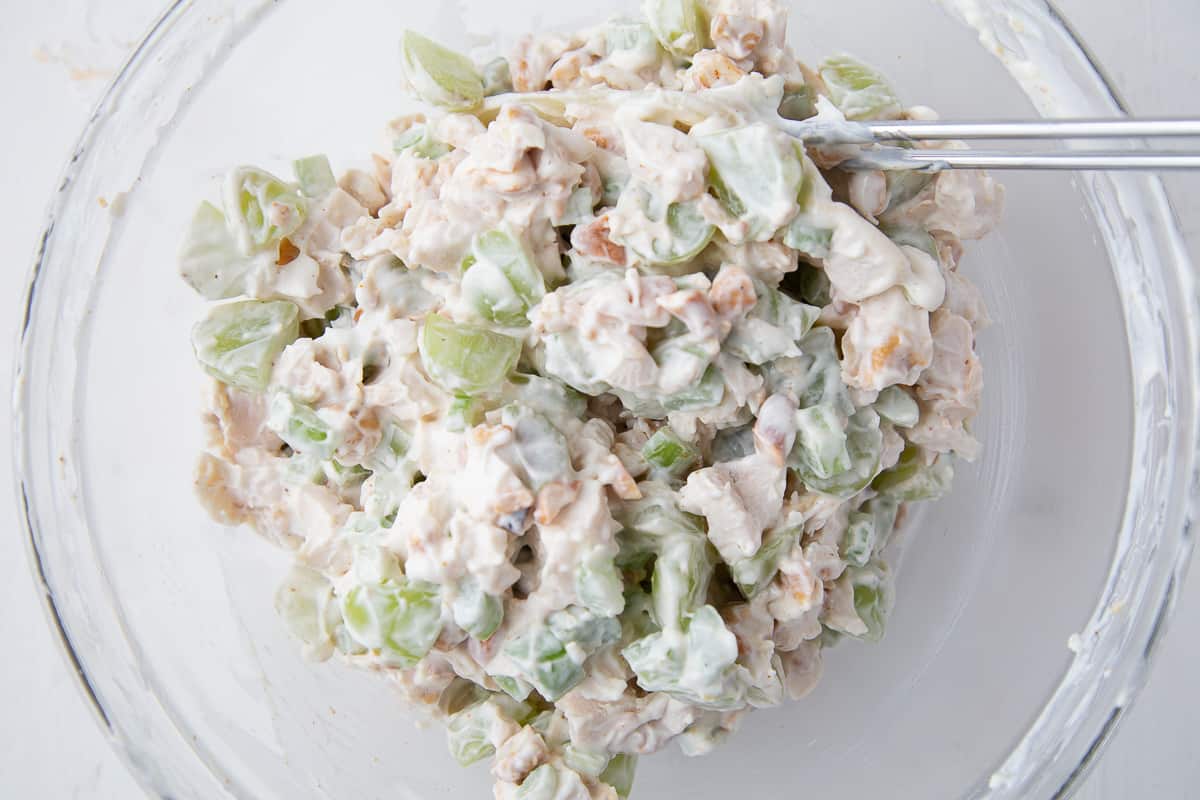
500, 280
300, 427
549, 397
466, 358
898, 407
474, 732
680, 25
688, 231
705, 394
210, 260
753, 574
598, 584
810, 239
911, 236
864, 443
401, 618
237, 343
497, 78
695, 663
541, 784
439, 75
808, 284
858, 541
541, 449
392, 451
666, 451
305, 603
815, 377
419, 140
315, 176
619, 774
912, 479
578, 625
515, 688
731, 444
543, 661
904, 184
585, 762
580, 207
820, 450
872, 598
261, 209
859, 90
757, 175
799, 104
475, 611
771, 329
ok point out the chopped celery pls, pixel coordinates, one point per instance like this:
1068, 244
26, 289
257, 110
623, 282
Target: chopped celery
477, 612
464, 412
619, 774
419, 141
394, 443
547, 396
757, 174
515, 688
439, 75
754, 573
540, 447
912, 479
872, 598
315, 176
210, 260
401, 618
666, 451
497, 79
631, 39
261, 209
898, 407
500, 280
680, 25
905, 184
466, 358
300, 427
598, 584
543, 661
864, 443
858, 89
237, 343
820, 450
541, 784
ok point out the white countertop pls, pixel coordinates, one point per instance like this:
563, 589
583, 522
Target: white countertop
58, 55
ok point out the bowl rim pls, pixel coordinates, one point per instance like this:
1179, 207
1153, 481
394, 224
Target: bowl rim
1158, 603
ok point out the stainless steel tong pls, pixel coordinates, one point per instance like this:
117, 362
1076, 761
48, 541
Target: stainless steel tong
892, 136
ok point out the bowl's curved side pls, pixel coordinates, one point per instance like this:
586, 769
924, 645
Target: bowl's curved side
135, 113
1161, 309
122, 138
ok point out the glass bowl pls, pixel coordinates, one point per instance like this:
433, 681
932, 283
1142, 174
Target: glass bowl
1030, 599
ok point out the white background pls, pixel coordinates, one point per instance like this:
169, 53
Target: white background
56, 56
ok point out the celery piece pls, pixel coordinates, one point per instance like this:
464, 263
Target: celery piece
475, 611
315, 176
666, 451
911, 479
619, 774
820, 450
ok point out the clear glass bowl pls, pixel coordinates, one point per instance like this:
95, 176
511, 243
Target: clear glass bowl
1074, 522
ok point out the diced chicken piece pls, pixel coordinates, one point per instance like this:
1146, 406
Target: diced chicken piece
887, 342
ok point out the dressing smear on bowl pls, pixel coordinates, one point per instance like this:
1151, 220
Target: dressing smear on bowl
588, 410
